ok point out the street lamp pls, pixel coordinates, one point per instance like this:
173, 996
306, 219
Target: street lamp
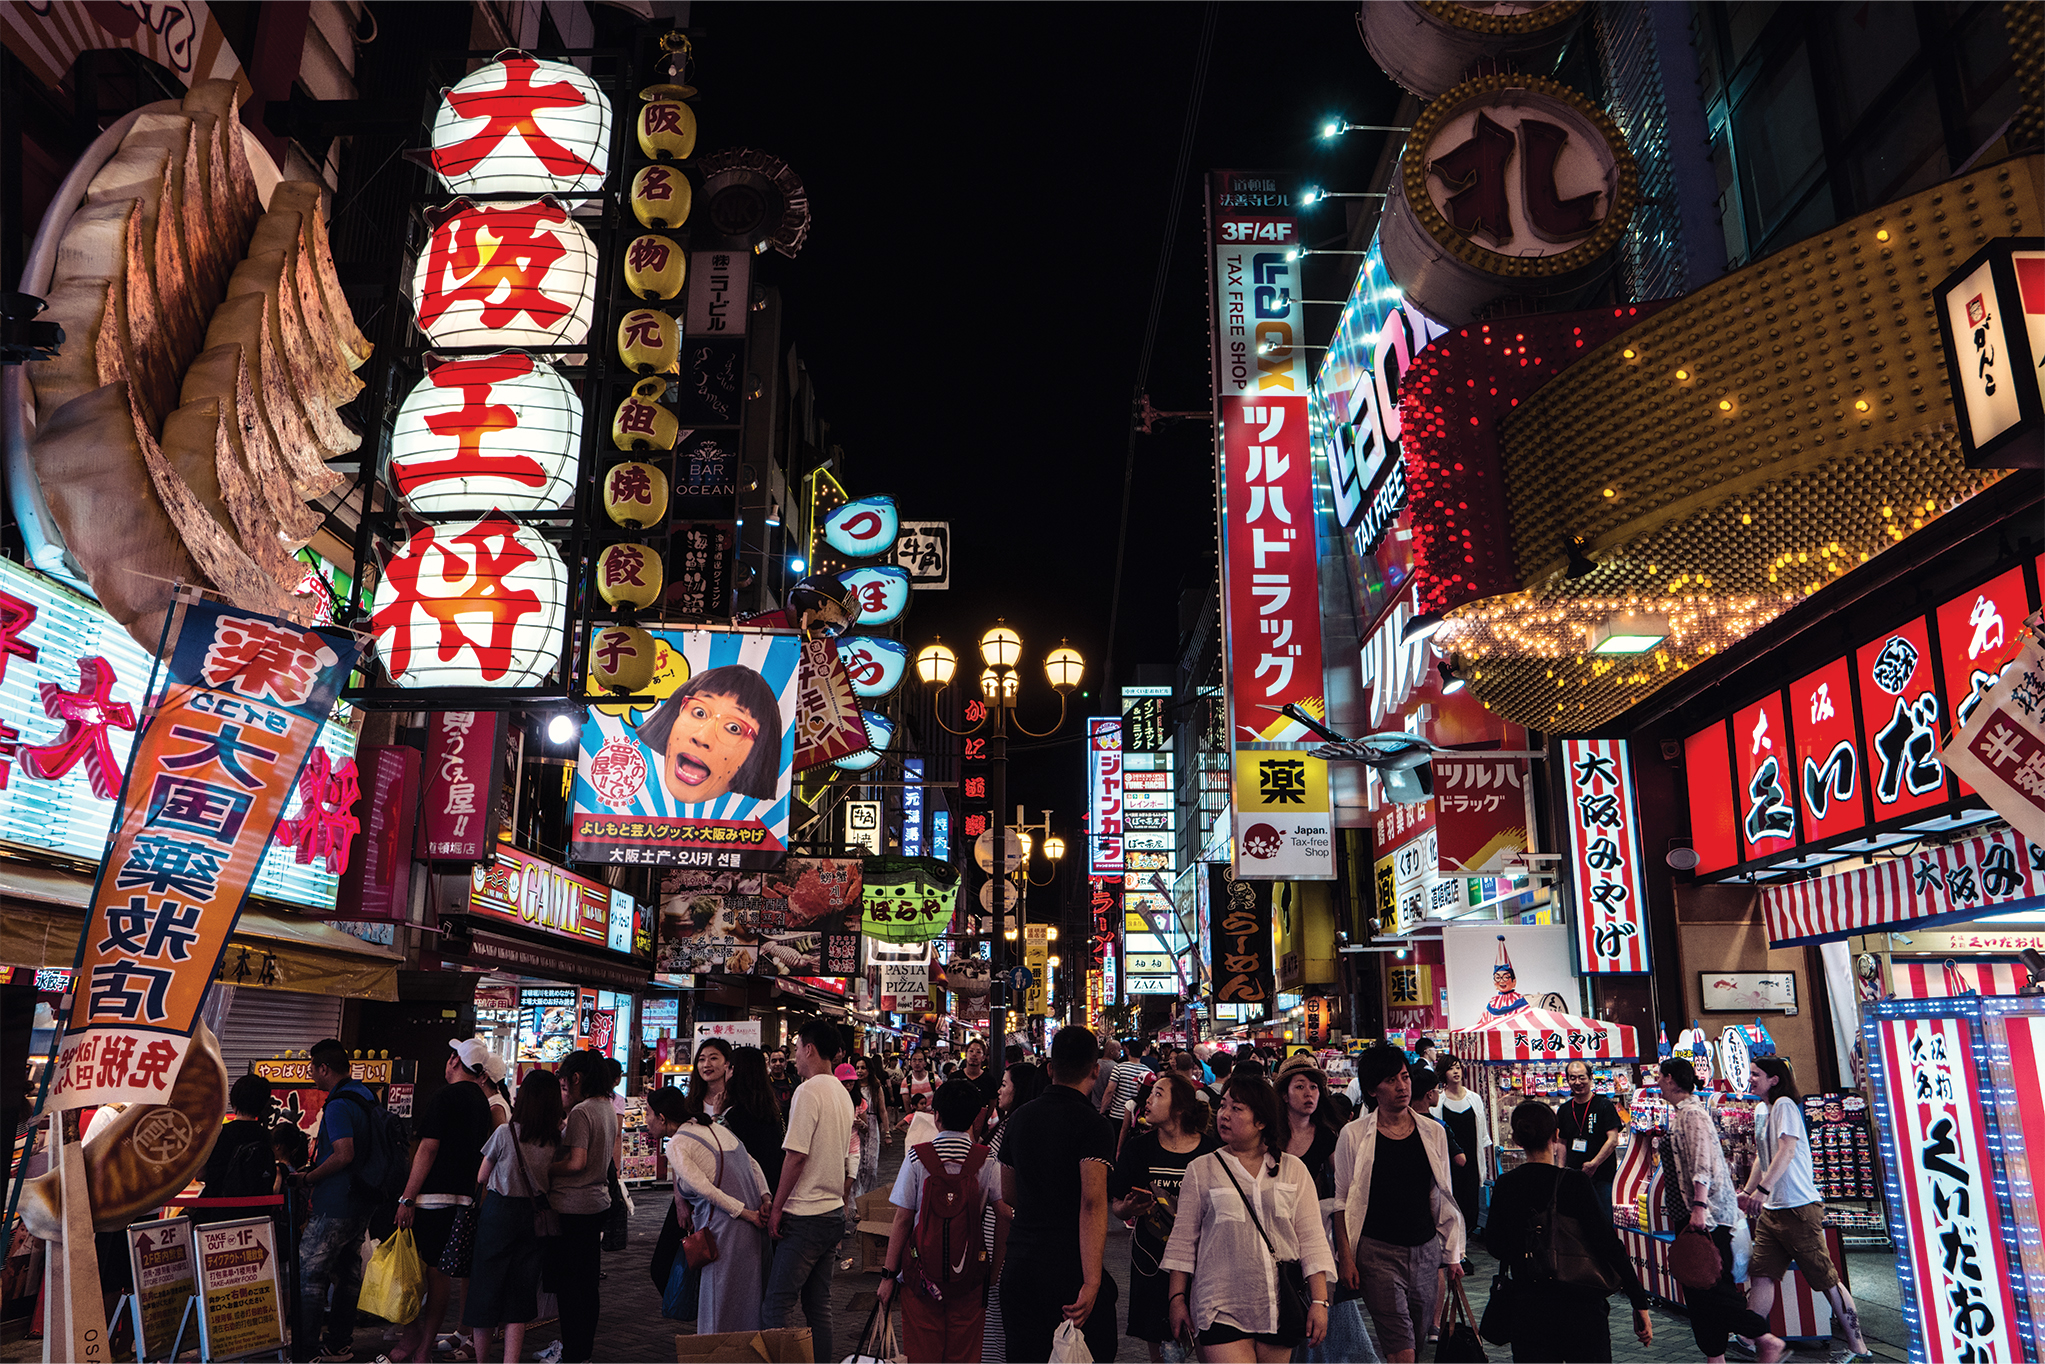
1001, 648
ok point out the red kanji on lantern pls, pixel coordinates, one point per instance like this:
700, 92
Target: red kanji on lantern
636, 418
513, 109
476, 418
656, 182
631, 483
327, 792
642, 329
87, 715
624, 565
663, 118
647, 253
264, 660
498, 258
471, 582
614, 646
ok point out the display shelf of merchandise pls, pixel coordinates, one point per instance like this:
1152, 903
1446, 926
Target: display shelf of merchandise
1510, 1083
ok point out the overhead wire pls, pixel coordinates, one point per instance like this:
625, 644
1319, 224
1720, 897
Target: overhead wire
1157, 299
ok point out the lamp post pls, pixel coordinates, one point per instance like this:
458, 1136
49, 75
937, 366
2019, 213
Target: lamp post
1000, 682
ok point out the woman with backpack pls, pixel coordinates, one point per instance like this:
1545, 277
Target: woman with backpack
938, 1252
504, 1279
1249, 1262
725, 1191
1553, 1318
1145, 1187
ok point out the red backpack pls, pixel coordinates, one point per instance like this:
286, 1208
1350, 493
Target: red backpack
950, 1247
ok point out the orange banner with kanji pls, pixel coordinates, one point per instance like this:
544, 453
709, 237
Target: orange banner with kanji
237, 707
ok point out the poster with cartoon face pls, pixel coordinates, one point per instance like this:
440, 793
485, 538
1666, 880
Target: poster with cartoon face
702, 778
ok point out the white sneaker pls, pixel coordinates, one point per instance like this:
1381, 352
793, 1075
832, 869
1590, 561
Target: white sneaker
550, 1355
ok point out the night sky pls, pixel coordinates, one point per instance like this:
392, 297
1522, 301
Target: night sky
990, 187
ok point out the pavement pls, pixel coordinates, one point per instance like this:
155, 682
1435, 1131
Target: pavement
632, 1327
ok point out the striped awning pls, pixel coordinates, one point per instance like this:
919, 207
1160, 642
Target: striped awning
1999, 874
1543, 1035
1938, 979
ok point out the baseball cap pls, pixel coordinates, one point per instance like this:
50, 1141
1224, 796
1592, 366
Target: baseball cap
475, 1054
844, 1072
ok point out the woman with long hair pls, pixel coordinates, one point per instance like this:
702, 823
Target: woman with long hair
1461, 1110
873, 1091
504, 1280
1145, 1187
752, 1112
1781, 1194
727, 1193
581, 1196
1243, 1211
712, 1075
1020, 1083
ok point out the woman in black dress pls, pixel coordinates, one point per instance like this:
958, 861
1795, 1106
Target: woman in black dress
752, 1112
1145, 1187
1462, 1112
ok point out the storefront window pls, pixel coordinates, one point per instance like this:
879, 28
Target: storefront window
1778, 141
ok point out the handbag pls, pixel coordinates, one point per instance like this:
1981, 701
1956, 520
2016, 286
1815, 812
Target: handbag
699, 1247
1557, 1251
1500, 1311
546, 1222
1459, 1343
1695, 1260
1292, 1283
618, 1217
458, 1252
877, 1344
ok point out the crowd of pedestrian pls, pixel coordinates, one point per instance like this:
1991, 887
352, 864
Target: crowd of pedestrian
1269, 1214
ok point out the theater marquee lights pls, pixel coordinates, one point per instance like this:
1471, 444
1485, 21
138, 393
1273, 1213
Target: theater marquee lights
1715, 463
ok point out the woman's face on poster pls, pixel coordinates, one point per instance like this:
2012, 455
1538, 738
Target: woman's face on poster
711, 740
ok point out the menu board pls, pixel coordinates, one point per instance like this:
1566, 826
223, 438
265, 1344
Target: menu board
547, 1032
244, 1302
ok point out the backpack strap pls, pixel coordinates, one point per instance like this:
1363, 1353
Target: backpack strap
975, 1158
926, 1155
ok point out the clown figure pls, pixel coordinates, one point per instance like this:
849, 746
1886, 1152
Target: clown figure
1506, 997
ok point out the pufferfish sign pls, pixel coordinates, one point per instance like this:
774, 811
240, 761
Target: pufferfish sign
702, 778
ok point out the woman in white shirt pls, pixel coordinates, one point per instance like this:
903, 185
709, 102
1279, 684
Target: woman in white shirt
1224, 1256
726, 1191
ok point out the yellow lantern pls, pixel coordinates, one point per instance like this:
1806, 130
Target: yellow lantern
650, 342
667, 127
635, 494
655, 267
661, 196
629, 575
621, 658
641, 423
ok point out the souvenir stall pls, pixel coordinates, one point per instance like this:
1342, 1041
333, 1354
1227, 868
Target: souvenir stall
1640, 1211
1521, 1055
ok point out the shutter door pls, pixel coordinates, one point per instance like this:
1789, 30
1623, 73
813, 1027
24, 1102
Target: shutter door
261, 1023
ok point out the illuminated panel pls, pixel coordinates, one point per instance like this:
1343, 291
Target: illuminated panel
1707, 766
1766, 778
1831, 769
1900, 714
1980, 632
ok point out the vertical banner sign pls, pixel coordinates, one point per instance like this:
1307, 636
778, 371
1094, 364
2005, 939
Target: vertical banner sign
1317, 1020
912, 807
464, 754
862, 825
1104, 782
1271, 620
1037, 956
828, 724
211, 773
1604, 847
2000, 750
1955, 1267
1285, 825
378, 882
1242, 939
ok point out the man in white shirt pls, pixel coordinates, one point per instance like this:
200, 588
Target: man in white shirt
949, 1326
807, 1218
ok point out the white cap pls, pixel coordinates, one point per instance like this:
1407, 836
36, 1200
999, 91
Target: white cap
475, 1053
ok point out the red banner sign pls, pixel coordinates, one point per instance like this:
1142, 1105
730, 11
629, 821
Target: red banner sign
464, 754
1604, 847
378, 881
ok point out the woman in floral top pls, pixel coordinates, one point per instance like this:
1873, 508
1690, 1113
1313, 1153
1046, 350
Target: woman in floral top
1702, 1174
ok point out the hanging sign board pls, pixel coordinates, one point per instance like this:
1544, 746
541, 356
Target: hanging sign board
1104, 796
1991, 314
1285, 829
924, 549
165, 1276
1604, 845
241, 1295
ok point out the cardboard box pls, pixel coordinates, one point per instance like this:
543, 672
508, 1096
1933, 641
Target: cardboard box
870, 1238
790, 1345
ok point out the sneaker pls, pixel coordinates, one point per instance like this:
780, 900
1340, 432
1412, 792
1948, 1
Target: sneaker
335, 1354
550, 1355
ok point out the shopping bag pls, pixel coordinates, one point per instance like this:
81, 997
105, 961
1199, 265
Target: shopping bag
394, 1285
680, 1299
1068, 1345
459, 1252
1459, 1343
784, 1345
877, 1342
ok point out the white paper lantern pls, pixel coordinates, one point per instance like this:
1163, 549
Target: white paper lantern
523, 126
514, 276
476, 605
494, 431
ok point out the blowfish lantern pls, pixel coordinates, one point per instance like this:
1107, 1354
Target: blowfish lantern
883, 593
622, 657
873, 664
514, 276
629, 575
862, 529
880, 732
479, 605
523, 126
495, 431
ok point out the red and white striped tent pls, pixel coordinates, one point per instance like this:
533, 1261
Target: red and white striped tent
1544, 1035
1934, 980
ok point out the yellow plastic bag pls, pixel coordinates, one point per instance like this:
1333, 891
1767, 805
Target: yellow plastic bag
394, 1285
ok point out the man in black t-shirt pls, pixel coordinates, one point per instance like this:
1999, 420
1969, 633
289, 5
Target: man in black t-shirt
984, 1077
452, 1129
1588, 1126
1056, 1154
